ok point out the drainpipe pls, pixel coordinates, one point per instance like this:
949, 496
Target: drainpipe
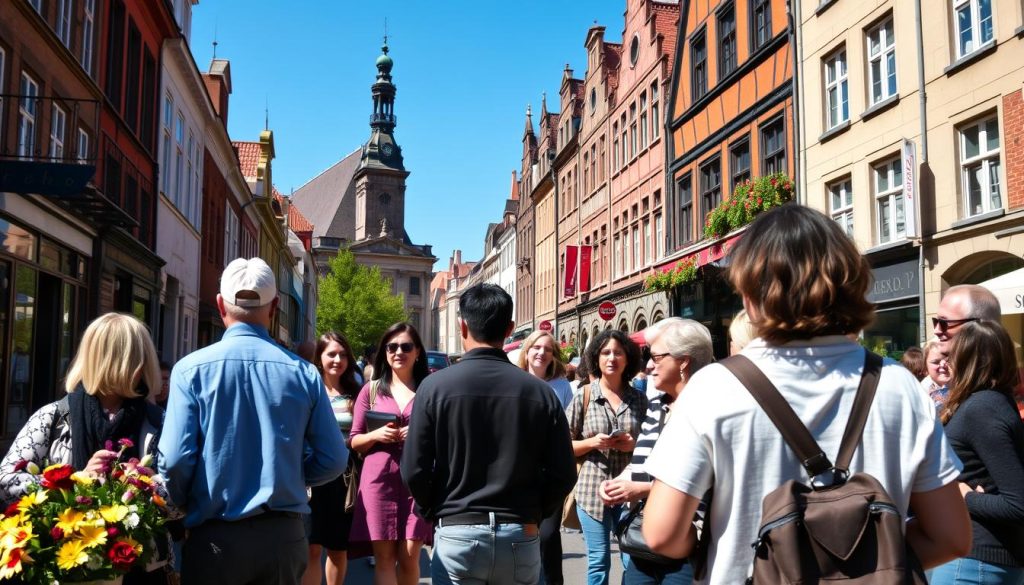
923, 115
793, 16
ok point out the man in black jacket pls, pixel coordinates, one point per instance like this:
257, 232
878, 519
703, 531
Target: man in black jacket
488, 454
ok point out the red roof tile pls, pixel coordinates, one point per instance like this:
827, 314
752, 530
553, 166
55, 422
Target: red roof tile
298, 222
248, 157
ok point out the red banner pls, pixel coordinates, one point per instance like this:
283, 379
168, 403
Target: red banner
585, 268
571, 257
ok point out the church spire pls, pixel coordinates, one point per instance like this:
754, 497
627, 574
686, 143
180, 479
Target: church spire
384, 93
381, 150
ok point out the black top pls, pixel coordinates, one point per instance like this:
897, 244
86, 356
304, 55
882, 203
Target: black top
987, 434
486, 436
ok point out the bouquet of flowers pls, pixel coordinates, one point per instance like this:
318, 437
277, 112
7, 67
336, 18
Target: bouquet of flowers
75, 526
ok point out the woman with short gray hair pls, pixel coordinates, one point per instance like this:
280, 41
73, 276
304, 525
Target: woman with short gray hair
678, 348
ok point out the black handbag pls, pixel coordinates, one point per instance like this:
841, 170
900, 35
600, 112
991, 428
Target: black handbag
631, 540
630, 537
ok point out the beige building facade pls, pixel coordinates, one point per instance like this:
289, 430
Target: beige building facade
911, 140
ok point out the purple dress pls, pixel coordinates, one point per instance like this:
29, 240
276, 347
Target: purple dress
384, 508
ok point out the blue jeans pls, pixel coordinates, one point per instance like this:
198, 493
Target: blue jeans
975, 572
597, 535
632, 575
485, 554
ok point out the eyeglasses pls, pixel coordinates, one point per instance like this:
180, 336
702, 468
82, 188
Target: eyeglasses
945, 324
657, 357
406, 347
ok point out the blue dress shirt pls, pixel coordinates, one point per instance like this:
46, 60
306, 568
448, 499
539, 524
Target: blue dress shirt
248, 427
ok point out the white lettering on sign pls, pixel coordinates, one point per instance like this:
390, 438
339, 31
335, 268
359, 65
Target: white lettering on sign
895, 284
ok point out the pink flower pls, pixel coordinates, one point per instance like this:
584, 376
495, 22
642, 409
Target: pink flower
112, 531
56, 533
21, 465
84, 500
127, 443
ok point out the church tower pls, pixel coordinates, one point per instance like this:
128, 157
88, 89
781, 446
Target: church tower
380, 178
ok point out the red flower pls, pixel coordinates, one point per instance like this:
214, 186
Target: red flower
14, 558
56, 533
11, 510
122, 555
112, 531
58, 478
21, 465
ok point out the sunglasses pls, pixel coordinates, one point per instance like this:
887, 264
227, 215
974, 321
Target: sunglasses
405, 347
945, 324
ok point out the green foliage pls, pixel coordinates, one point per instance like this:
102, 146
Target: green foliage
684, 272
748, 200
356, 301
877, 345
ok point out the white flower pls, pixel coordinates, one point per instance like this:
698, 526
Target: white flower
146, 461
133, 508
131, 521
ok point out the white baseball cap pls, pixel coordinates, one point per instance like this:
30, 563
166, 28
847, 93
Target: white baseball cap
251, 276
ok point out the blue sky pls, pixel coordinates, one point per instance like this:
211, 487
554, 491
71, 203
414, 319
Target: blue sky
465, 72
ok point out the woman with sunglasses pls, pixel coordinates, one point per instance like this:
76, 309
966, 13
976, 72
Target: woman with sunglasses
384, 513
983, 426
604, 432
330, 522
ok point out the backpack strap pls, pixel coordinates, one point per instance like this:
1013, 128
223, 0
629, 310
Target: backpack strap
861, 408
795, 433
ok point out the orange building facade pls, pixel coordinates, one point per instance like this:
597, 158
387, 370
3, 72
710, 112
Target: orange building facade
730, 119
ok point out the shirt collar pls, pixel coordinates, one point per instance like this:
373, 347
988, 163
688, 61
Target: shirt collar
240, 329
485, 352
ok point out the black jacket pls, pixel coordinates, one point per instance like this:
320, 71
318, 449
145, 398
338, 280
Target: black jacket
988, 436
486, 436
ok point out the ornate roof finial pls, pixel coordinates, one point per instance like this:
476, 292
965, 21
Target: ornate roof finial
266, 112
215, 40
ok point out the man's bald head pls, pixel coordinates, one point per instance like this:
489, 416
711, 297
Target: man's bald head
962, 303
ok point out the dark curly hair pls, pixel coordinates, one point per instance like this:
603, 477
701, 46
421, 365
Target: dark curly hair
634, 361
803, 276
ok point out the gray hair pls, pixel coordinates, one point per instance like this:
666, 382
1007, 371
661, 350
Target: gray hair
683, 338
980, 302
245, 314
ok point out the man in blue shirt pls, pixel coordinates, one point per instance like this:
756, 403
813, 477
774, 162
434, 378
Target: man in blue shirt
248, 427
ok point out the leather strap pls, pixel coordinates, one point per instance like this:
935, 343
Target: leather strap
788, 423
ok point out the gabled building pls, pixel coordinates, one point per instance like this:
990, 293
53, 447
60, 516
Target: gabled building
730, 119
187, 115
359, 204
525, 296
545, 205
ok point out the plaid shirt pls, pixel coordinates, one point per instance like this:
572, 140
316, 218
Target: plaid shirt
599, 465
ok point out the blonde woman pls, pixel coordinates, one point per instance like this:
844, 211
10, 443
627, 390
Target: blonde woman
741, 331
540, 356
107, 384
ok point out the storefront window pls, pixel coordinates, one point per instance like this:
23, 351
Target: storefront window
19, 398
893, 331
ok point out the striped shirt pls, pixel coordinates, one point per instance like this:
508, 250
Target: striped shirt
650, 429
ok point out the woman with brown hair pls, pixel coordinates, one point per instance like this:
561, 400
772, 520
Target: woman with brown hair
804, 285
604, 421
384, 513
987, 434
330, 522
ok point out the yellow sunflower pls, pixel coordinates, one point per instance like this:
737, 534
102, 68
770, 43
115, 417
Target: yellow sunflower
114, 513
35, 498
72, 554
70, 520
92, 536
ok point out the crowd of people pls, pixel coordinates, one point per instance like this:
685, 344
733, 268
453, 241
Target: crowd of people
279, 469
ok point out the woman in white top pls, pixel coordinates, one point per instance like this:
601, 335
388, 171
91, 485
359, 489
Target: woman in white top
803, 284
540, 356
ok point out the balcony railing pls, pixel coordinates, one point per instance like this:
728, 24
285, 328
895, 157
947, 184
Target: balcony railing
49, 129
385, 118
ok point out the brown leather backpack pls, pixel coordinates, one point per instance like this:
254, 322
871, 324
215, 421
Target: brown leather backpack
837, 527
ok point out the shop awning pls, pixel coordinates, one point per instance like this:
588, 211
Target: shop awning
638, 337
1009, 289
709, 252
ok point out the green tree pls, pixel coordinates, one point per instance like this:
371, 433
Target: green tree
356, 301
